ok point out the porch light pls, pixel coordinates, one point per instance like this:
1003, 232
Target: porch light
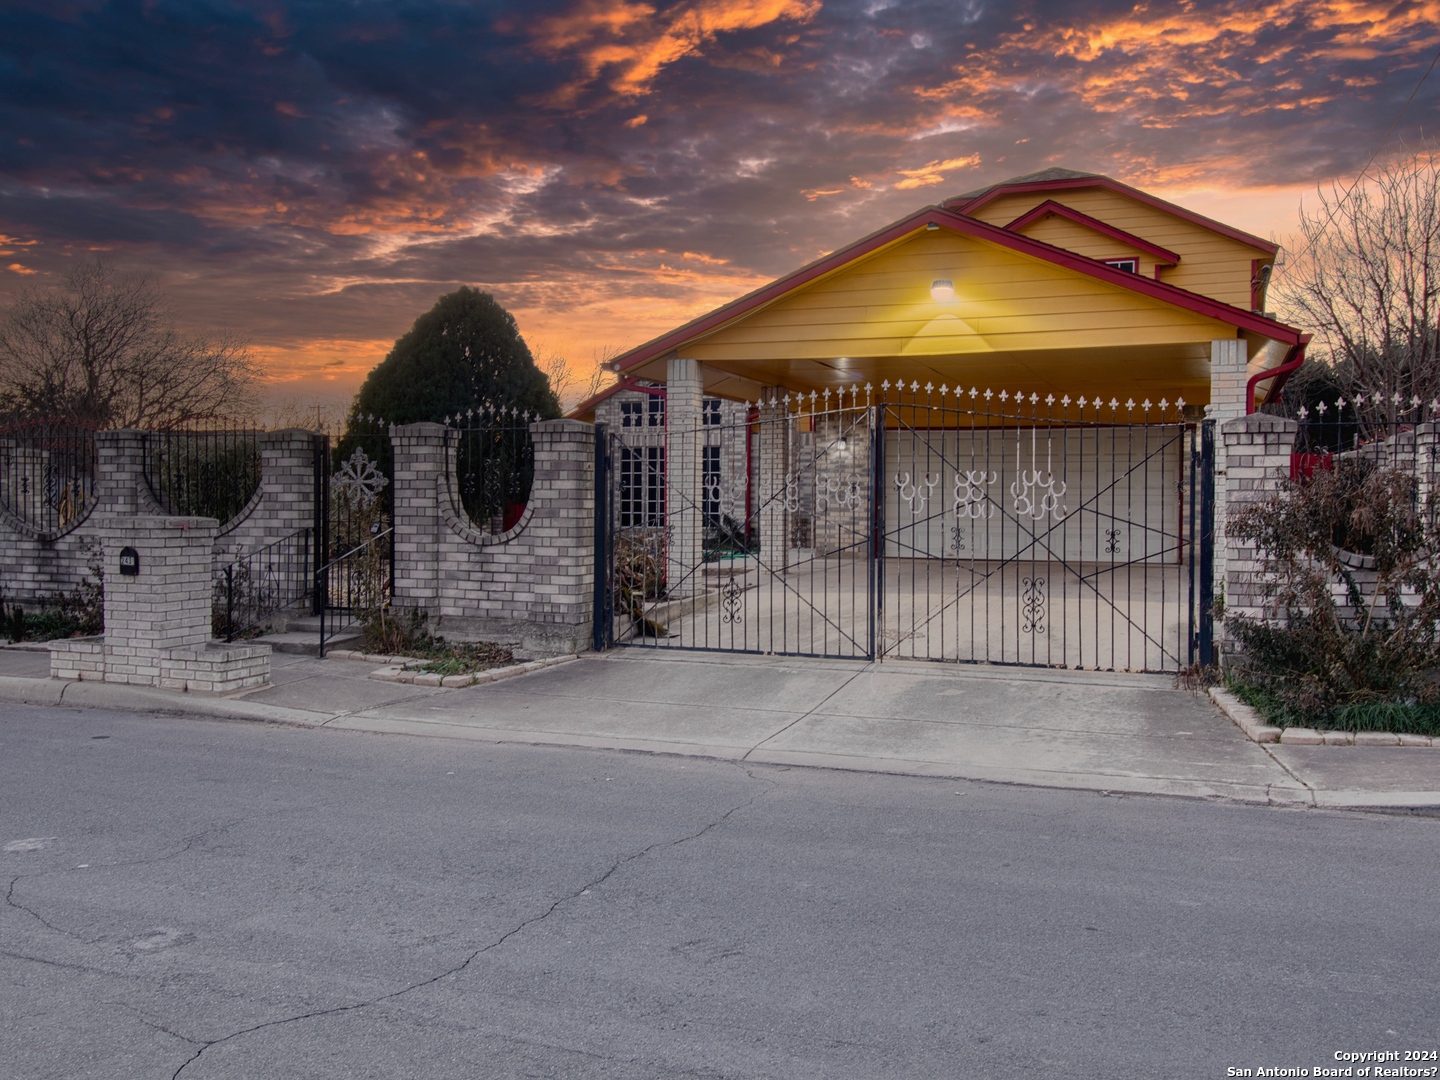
942, 290
841, 444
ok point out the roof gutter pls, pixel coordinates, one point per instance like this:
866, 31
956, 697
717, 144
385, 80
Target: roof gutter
1293, 359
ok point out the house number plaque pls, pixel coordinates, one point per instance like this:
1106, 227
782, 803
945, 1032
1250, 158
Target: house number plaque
129, 562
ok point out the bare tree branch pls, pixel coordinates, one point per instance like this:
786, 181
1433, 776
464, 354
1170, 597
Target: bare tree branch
1367, 279
103, 349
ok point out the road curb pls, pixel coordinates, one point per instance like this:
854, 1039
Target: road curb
1245, 718
59, 692
1248, 720
103, 695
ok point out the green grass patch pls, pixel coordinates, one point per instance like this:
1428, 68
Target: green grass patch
1402, 718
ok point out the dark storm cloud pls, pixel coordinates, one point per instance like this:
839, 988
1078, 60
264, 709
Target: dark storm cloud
319, 170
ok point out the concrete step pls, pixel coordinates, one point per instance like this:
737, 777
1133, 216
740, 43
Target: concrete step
307, 643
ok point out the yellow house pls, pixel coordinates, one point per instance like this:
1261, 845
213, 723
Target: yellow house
984, 432
1057, 282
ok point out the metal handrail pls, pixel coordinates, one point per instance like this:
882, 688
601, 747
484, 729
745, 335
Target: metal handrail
293, 568
322, 586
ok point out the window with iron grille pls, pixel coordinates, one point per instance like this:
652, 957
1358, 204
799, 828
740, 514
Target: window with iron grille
656, 411
711, 481
632, 414
642, 486
710, 411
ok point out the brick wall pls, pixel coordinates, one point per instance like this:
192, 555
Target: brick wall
531, 586
1257, 465
33, 567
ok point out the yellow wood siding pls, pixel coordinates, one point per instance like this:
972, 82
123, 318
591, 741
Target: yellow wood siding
1005, 302
1072, 236
1210, 264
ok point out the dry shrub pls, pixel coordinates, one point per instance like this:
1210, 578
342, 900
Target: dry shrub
1336, 638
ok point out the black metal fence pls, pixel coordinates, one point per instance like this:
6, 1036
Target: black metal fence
918, 523
1370, 431
256, 585
354, 520
47, 473
204, 469
493, 465
355, 585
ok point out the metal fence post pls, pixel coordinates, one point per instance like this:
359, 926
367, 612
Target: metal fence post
600, 607
230, 602
1207, 543
877, 529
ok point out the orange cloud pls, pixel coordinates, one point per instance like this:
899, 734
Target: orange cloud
934, 173
16, 268
625, 40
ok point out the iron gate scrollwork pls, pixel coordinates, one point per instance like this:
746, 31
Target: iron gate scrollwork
915, 522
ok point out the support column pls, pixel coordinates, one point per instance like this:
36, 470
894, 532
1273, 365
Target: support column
684, 499
1257, 452
420, 459
1427, 466
287, 481
120, 473
1228, 360
772, 473
158, 596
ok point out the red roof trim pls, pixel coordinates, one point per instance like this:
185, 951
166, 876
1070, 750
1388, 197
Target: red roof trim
967, 206
968, 226
1161, 255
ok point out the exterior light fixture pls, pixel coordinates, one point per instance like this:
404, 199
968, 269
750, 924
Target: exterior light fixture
841, 444
942, 290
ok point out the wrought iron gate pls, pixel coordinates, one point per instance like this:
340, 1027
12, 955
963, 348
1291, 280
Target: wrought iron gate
354, 525
910, 522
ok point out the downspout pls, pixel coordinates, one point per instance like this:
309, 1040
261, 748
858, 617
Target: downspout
1293, 359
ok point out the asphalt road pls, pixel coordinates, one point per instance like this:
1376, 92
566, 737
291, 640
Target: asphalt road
209, 899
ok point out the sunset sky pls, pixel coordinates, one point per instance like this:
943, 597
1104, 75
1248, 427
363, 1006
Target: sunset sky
314, 174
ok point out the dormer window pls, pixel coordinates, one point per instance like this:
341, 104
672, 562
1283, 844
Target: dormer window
1130, 266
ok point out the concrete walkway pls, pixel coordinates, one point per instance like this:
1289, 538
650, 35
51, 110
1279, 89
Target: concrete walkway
1118, 733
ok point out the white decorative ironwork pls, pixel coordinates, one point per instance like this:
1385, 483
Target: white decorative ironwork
791, 499
911, 493
970, 498
841, 492
1037, 492
725, 497
359, 475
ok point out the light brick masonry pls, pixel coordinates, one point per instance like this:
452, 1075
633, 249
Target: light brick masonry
530, 586
157, 622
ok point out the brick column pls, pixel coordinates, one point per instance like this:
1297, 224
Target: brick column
1257, 454
684, 529
119, 472
287, 480
1427, 464
1228, 358
420, 460
157, 620
771, 473
556, 565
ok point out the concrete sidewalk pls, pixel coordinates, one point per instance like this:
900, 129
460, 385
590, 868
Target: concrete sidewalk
1117, 733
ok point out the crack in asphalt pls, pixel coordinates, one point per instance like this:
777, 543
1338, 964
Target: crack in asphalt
525, 924
186, 843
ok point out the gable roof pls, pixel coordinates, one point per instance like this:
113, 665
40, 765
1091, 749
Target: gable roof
1163, 256
1044, 176
941, 217
1066, 180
